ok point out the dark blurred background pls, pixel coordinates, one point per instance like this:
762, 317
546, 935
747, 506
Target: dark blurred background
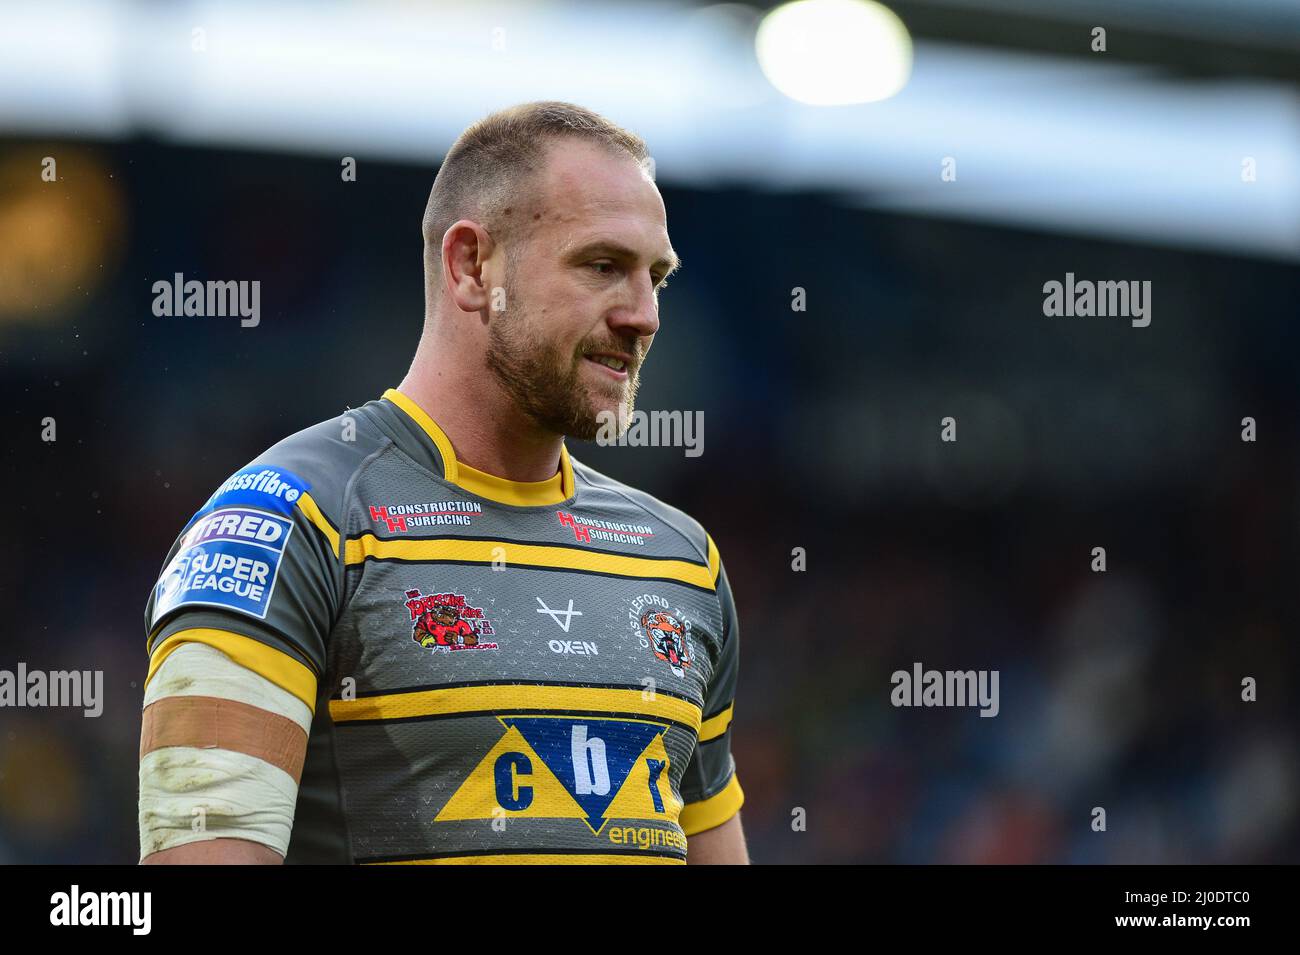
822, 428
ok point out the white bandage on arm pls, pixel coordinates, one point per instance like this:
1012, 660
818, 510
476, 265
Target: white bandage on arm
221, 750
189, 794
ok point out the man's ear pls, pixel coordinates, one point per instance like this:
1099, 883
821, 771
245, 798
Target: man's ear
466, 247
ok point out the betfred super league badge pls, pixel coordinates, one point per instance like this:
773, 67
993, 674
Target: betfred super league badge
447, 622
229, 559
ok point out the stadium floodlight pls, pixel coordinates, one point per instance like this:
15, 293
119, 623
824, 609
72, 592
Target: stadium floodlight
834, 52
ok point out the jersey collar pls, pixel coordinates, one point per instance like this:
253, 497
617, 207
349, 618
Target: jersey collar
553, 490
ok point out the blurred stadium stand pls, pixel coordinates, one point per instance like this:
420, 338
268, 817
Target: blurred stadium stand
821, 428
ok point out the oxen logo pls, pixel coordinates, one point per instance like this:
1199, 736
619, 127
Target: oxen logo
446, 622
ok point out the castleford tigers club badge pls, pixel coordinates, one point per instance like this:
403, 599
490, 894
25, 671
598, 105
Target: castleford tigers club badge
446, 622
664, 630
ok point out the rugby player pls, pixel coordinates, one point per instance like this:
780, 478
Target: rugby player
421, 632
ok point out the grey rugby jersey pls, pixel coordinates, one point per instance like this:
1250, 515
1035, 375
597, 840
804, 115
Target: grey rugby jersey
498, 671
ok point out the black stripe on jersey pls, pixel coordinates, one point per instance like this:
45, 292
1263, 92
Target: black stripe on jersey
561, 570
511, 711
563, 545
470, 853
425, 687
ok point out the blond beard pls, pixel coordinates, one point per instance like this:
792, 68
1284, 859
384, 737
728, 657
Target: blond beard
546, 385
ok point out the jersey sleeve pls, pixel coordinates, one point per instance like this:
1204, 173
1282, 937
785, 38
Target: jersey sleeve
256, 574
710, 790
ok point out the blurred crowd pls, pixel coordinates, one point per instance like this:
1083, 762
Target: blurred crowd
1119, 690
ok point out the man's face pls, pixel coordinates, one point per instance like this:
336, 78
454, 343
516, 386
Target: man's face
581, 289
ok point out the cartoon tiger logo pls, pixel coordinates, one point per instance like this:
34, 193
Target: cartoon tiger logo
667, 636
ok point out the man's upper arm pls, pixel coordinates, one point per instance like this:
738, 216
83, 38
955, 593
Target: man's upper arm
710, 789
223, 851
721, 845
260, 558
237, 624
221, 754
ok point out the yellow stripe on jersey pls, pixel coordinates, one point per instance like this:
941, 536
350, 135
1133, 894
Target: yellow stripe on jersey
266, 661
715, 726
486, 485
518, 493
714, 811
715, 560
509, 698
576, 858
435, 433
314, 514
367, 546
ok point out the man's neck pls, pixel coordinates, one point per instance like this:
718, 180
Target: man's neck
487, 431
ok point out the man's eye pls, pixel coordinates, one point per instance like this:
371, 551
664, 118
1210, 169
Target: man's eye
603, 265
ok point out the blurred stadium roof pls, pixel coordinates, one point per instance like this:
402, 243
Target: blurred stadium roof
1145, 141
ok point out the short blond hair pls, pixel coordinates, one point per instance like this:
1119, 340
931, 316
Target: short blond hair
489, 167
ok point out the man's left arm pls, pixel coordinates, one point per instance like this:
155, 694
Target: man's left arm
710, 789
721, 845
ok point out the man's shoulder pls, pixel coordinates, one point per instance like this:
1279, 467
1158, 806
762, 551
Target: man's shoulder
340, 442
652, 508
316, 463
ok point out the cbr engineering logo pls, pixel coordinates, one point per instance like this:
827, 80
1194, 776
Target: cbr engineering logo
570, 767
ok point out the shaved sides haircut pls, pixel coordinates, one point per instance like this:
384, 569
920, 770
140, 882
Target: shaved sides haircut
487, 175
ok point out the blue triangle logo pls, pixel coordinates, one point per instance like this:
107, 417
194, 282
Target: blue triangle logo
591, 757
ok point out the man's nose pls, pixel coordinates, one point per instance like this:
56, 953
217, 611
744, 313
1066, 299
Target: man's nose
639, 314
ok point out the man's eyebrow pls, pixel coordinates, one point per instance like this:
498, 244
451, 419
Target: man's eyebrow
618, 250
